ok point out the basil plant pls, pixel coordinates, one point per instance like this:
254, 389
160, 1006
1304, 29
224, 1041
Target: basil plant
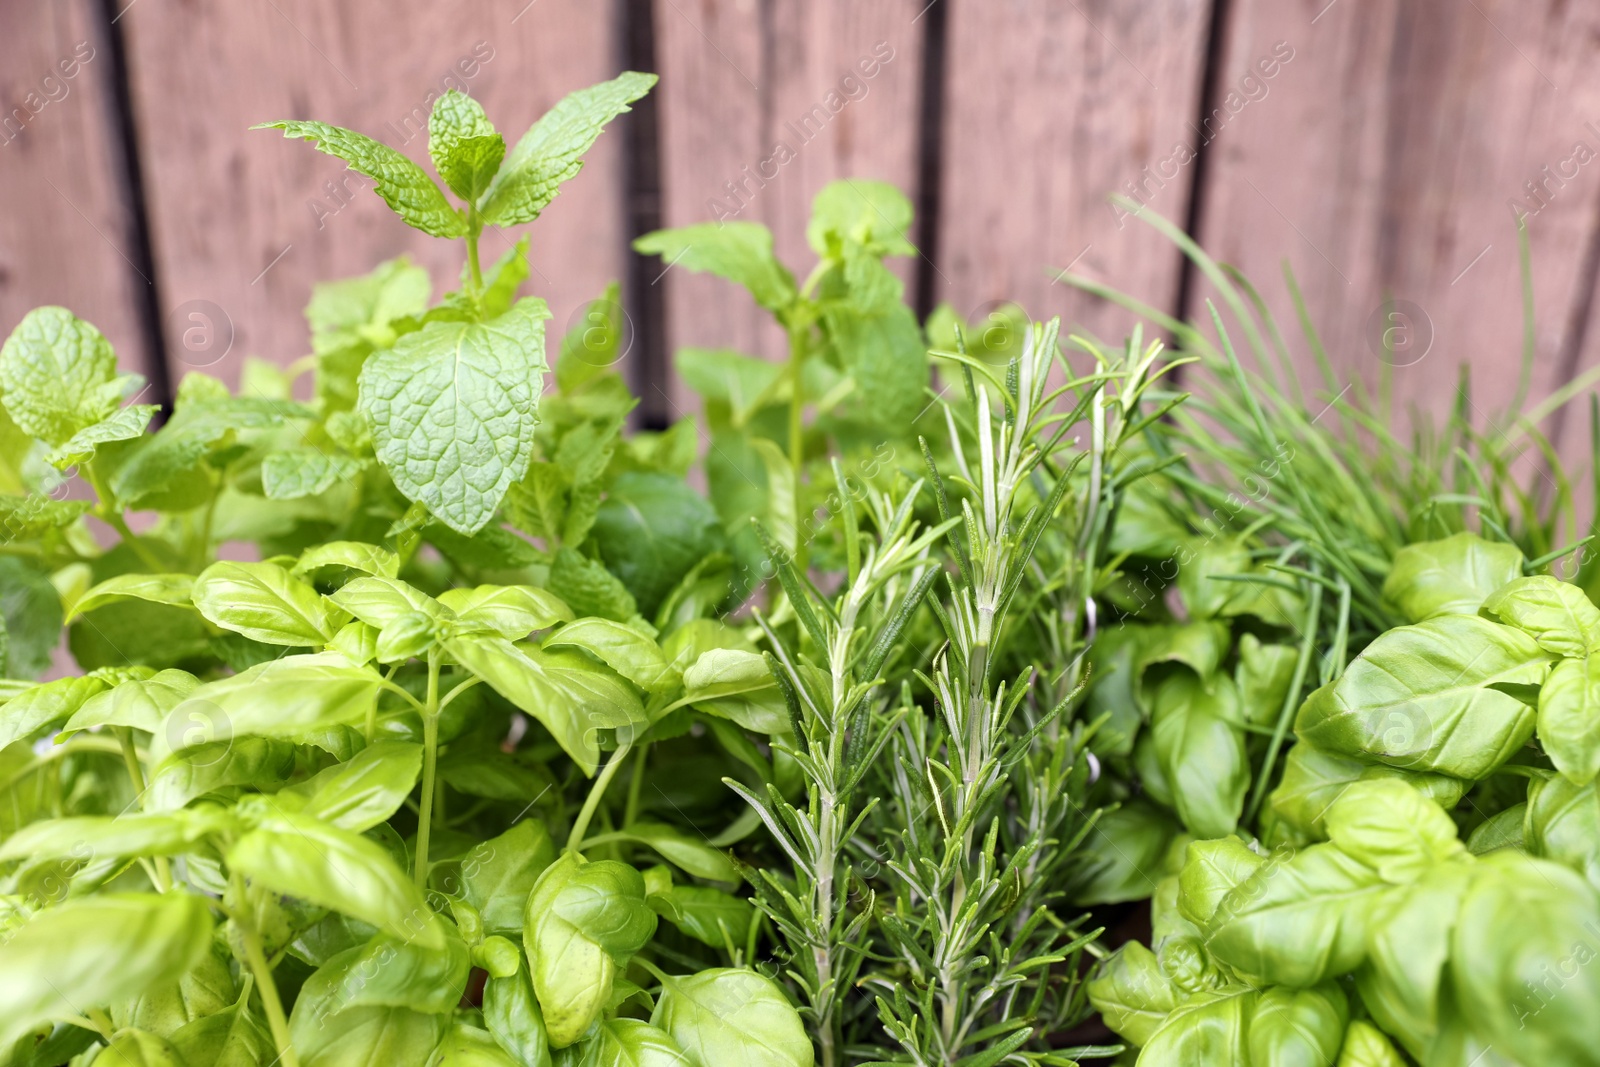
343, 676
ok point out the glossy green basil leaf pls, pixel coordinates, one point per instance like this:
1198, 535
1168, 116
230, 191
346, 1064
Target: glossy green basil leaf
1264, 675
378, 600
167, 1007
735, 1016
44, 705
1562, 823
233, 1037
262, 762
582, 920
387, 972
512, 611
336, 869
1132, 994
365, 791
465, 1045
406, 637
694, 855
1503, 829
1203, 1032
573, 697
498, 874
362, 1037
1408, 948
1125, 853
1299, 1026
351, 555
1393, 829
1423, 697
512, 1014
1522, 921
711, 916
1313, 779
628, 1043
1569, 718
1297, 922
88, 837
736, 684
142, 703
138, 1048
292, 698
622, 648
1200, 746
1554, 613
453, 409
1367, 1046
1212, 870
1453, 576
174, 589
52, 966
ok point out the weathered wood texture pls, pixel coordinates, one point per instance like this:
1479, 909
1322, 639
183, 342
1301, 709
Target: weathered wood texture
1388, 159
65, 233
247, 221
1051, 108
762, 104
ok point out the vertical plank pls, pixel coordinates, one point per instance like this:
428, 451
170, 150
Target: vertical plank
1390, 160
1051, 108
65, 233
245, 222
748, 85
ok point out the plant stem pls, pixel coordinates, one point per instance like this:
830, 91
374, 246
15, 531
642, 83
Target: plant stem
636, 786
430, 767
596, 791
269, 993
797, 408
107, 509
130, 759
474, 271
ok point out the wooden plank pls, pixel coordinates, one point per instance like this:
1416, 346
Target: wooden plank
1051, 108
762, 105
65, 235
247, 222
1388, 160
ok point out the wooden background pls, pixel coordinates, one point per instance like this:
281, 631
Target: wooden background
1384, 156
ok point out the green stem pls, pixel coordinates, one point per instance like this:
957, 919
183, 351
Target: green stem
630, 814
474, 270
130, 759
107, 510
269, 989
598, 790
430, 767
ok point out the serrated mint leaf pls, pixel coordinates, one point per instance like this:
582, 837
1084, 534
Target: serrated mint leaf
738, 251
357, 311
465, 149
875, 215
160, 461
404, 186
24, 518
125, 424
453, 409
301, 472
58, 374
551, 151
884, 352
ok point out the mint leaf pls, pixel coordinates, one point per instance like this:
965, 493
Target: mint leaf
59, 375
25, 518
126, 424
551, 151
453, 409
404, 186
302, 472
161, 461
465, 149
738, 251
874, 215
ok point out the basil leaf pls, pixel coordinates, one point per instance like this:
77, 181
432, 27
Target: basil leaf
86, 837
1200, 747
265, 603
142, 703
498, 874
582, 920
652, 529
1392, 828
1562, 823
358, 1037
292, 697
512, 611
42, 705
622, 648
1367, 1046
1449, 577
629, 1043
233, 1037
355, 555
196, 770
379, 600
403, 185
552, 149
711, 916
165, 1008
1124, 853
336, 869
453, 409
572, 697
1297, 922
1212, 870
1569, 718
695, 857
365, 791
387, 972
1544, 906
1205, 1031
50, 967
730, 1015
1408, 947
1298, 1025
1313, 779
512, 1015
175, 589
1423, 697
736, 684
1132, 994
1554, 613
